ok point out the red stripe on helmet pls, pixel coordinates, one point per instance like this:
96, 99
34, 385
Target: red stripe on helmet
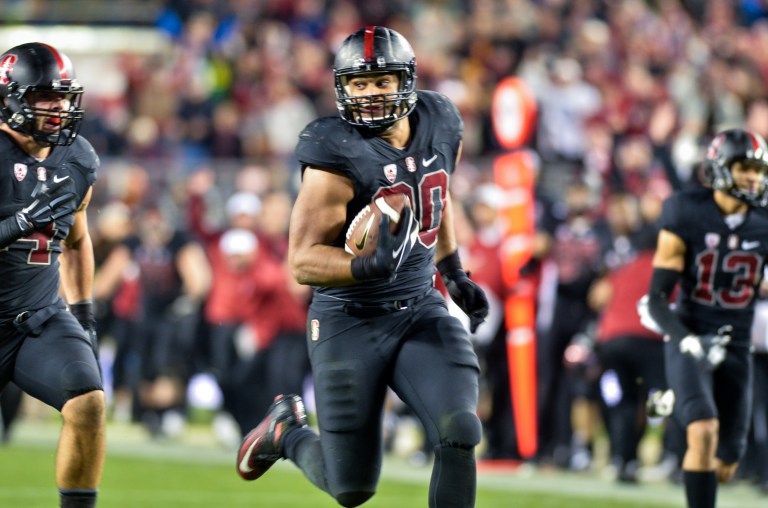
369, 32
59, 60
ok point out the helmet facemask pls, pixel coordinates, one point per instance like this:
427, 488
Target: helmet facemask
375, 111
49, 127
724, 181
375, 50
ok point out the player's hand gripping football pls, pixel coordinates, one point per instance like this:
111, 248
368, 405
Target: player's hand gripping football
52, 199
391, 249
710, 349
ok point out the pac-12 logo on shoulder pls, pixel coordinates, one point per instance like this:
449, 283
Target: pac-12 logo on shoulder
19, 171
390, 172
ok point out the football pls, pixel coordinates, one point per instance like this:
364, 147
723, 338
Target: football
363, 232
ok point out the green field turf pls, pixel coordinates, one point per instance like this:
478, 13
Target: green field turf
196, 472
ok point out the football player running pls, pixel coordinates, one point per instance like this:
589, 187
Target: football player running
47, 174
714, 243
377, 321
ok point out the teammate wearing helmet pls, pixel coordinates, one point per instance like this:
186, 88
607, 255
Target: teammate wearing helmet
48, 344
714, 243
377, 322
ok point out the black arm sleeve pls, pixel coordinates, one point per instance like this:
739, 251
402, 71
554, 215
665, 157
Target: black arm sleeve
662, 284
10, 230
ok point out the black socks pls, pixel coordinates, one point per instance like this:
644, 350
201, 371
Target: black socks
700, 488
78, 498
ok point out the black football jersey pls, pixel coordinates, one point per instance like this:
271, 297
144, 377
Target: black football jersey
29, 268
421, 170
723, 264
158, 273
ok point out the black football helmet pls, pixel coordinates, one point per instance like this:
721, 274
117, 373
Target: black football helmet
734, 145
375, 49
39, 68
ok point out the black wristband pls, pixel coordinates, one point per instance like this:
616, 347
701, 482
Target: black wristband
358, 270
450, 263
364, 268
83, 311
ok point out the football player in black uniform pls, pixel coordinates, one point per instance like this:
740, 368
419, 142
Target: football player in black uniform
714, 243
378, 321
46, 177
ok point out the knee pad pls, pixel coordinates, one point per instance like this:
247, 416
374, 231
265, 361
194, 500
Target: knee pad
79, 378
349, 499
461, 430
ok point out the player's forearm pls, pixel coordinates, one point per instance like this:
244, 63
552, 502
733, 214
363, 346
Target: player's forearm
662, 284
77, 271
446, 236
322, 265
10, 230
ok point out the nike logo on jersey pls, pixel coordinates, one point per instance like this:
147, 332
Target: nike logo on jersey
428, 162
360, 244
396, 252
747, 245
57, 179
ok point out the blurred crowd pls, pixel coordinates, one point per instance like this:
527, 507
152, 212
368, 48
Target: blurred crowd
191, 210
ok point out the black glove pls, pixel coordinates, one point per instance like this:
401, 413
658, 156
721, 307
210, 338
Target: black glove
710, 349
51, 200
391, 250
466, 294
83, 312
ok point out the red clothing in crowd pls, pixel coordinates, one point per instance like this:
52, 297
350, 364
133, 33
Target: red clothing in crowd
484, 263
258, 296
630, 282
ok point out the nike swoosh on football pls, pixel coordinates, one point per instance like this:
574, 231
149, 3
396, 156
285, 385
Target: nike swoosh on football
428, 162
56, 179
244, 467
360, 244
